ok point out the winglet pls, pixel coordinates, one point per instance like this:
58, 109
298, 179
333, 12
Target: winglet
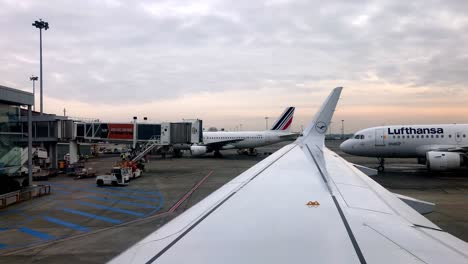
317, 129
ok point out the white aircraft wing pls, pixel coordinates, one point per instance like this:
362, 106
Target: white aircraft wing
303, 204
463, 149
219, 144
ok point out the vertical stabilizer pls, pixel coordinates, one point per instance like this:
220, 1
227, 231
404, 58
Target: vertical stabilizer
315, 132
283, 123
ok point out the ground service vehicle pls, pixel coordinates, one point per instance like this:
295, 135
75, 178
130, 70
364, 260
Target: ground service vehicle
118, 176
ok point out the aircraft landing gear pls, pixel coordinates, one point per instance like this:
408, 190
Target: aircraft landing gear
252, 152
177, 153
381, 167
217, 154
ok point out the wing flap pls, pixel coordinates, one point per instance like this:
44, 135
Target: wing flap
422, 207
366, 193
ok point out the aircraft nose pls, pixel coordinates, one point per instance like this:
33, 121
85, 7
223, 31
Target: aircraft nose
346, 146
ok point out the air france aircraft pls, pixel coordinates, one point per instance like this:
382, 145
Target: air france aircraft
302, 204
440, 147
222, 140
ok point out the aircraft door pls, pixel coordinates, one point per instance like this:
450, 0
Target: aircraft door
379, 137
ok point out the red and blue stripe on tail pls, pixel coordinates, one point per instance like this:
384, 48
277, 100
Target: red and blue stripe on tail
285, 120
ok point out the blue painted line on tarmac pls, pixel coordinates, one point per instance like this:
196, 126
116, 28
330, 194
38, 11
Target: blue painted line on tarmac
159, 207
130, 190
3, 229
146, 199
61, 191
41, 235
156, 200
2, 246
121, 202
111, 209
9, 211
107, 219
66, 224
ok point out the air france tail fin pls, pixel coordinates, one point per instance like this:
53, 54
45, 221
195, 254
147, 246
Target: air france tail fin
315, 132
283, 123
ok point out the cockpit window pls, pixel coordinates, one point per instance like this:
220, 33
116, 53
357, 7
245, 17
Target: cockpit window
359, 137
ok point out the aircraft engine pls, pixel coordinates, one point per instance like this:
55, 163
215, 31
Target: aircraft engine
198, 150
440, 160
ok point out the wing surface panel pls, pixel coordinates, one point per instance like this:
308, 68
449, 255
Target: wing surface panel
161, 238
270, 212
359, 191
378, 217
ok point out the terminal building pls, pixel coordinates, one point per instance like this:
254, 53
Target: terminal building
12, 139
29, 140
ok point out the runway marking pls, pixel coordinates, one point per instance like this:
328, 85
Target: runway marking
107, 192
66, 224
129, 190
60, 191
111, 209
12, 211
36, 233
121, 202
103, 218
175, 206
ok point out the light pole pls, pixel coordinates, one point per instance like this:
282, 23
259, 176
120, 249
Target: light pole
134, 132
266, 122
41, 25
34, 79
342, 129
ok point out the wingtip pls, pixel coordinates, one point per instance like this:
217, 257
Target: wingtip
319, 126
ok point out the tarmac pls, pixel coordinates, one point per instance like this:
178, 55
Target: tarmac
82, 223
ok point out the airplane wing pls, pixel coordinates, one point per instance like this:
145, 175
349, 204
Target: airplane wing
463, 149
221, 143
290, 136
303, 204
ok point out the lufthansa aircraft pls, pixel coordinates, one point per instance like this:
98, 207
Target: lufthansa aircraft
303, 204
440, 147
222, 140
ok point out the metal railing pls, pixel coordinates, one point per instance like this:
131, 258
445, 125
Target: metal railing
147, 147
23, 195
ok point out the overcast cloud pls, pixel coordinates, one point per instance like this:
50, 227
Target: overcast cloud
110, 53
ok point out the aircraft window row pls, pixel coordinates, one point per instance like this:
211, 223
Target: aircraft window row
359, 137
232, 137
423, 136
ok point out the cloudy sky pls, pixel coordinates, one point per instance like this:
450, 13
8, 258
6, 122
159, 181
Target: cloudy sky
235, 62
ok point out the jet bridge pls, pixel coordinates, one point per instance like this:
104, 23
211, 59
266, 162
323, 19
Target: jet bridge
52, 129
166, 133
